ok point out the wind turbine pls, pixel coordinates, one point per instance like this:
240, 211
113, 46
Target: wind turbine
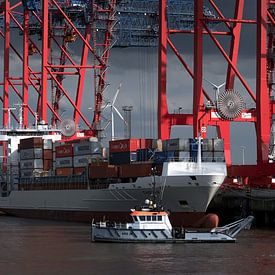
216, 88
111, 105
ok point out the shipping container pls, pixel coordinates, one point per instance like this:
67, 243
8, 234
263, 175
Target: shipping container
193, 145
207, 145
88, 147
207, 156
28, 143
47, 164
124, 145
218, 145
31, 164
219, 156
145, 154
33, 153
103, 171
65, 171
160, 157
64, 162
30, 172
47, 144
176, 144
79, 170
135, 170
184, 156
47, 154
122, 158
81, 161
62, 151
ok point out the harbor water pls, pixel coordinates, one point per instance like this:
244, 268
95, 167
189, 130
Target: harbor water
50, 247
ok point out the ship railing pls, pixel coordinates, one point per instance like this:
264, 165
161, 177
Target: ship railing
55, 179
194, 159
111, 224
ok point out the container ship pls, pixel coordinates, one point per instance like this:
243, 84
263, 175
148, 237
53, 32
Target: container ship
80, 180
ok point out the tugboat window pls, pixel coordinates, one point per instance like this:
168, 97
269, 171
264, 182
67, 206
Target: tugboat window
159, 218
135, 218
142, 218
149, 218
154, 218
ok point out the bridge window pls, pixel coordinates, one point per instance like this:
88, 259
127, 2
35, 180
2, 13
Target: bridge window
159, 218
142, 218
135, 218
154, 218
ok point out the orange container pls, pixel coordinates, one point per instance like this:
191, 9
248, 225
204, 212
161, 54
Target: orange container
79, 170
135, 170
103, 171
68, 171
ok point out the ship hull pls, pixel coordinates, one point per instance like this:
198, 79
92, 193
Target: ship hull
186, 197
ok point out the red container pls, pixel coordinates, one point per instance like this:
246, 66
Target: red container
79, 170
47, 164
124, 145
64, 151
103, 171
28, 143
146, 143
68, 171
48, 154
135, 170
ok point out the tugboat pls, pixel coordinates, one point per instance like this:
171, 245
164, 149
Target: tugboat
151, 224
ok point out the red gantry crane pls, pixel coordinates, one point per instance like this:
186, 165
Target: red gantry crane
49, 27
229, 106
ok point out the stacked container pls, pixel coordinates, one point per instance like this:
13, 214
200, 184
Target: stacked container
180, 149
35, 157
123, 151
63, 156
218, 145
86, 152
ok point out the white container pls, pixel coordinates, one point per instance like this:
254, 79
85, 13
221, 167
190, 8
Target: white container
33, 153
184, 156
31, 164
63, 162
87, 148
219, 156
47, 144
82, 161
218, 145
207, 156
177, 144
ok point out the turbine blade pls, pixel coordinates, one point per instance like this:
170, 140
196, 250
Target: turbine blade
215, 86
119, 114
116, 94
221, 85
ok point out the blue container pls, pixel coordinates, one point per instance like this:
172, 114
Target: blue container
122, 158
160, 157
145, 154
